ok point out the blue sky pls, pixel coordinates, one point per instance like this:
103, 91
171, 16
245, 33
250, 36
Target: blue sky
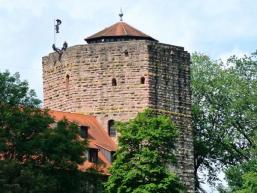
217, 28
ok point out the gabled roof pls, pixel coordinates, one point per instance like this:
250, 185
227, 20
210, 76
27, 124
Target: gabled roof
97, 137
117, 30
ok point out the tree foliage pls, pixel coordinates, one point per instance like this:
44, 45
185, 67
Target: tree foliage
242, 177
146, 148
37, 154
224, 98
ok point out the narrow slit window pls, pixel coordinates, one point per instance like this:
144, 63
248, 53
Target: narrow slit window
111, 128
126, 53
67, 81
114, 82
142, 80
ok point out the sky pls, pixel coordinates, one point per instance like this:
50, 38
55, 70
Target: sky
218, 28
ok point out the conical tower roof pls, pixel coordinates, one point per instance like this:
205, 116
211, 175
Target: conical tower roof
119, 31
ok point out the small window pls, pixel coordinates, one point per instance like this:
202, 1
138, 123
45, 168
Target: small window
114, 82
126, 53
84, 131
111, 128
93, 155
142, 80
67, 81
113, 156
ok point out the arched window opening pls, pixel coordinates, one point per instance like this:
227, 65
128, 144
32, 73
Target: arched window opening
142, 80
114, 82
67, 81
111, 128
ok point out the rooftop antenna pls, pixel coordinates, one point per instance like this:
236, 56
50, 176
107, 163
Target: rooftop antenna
121, 14
57, 23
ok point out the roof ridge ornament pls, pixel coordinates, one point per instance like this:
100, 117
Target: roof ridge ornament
121, 14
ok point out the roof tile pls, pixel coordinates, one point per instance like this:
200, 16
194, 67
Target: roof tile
97, 136
119, 29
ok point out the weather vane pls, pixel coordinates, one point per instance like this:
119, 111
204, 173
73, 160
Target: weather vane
57, 23
121, 14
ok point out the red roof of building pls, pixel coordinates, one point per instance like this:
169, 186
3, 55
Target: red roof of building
97, 137
119, 29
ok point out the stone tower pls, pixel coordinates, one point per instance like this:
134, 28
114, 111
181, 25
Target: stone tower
120, 72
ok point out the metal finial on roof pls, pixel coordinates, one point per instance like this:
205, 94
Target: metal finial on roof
121, 14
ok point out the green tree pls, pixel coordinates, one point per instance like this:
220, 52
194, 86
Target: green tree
146, 149
242, 177
37, 154
224, 110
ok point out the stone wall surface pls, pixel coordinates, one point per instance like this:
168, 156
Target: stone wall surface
81, 81
169, 80
91, 69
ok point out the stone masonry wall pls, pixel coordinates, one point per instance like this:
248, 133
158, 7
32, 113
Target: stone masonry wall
169, 80
89, 90
91, 69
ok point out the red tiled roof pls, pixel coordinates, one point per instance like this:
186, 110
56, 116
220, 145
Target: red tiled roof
96, 133
119, 29
97, 136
